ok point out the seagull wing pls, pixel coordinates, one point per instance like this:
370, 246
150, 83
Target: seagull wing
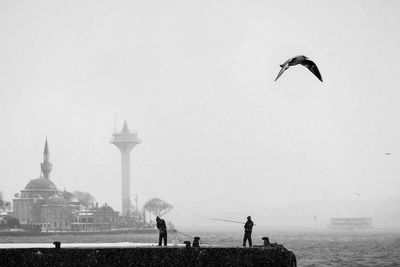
284, 67
312, 67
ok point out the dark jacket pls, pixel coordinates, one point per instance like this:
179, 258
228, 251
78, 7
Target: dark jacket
161, 226
248, 227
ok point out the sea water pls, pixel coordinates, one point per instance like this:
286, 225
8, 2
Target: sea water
329, 248
312, 248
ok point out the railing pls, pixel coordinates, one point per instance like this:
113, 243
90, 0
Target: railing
125, 137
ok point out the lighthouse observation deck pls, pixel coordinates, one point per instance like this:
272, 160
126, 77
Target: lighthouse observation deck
125, 137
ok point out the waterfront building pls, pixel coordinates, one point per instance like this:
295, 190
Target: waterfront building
41, 205
98, 219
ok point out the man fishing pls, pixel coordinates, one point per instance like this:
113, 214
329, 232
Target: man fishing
248, 228
162, 228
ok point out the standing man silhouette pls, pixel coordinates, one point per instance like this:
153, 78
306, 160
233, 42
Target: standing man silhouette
248, 228
162, 228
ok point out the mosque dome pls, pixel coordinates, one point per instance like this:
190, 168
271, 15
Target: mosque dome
105, 208
66, 195
55, 200
41, 184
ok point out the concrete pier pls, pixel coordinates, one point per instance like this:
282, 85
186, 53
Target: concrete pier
150, 256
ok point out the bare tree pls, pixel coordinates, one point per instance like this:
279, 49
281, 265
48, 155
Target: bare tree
157, 207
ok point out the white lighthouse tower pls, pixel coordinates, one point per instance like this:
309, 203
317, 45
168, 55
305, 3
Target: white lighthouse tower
125, 141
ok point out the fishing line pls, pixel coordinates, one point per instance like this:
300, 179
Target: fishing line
202, 242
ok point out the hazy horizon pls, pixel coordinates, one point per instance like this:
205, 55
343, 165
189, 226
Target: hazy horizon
219, 137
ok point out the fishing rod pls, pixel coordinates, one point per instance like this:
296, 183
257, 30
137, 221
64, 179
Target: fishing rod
222, 220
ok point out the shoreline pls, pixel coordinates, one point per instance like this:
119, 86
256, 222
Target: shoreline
106, 232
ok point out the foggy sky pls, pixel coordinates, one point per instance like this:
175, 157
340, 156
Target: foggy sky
219, 137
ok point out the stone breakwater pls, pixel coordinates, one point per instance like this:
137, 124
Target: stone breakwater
149, 256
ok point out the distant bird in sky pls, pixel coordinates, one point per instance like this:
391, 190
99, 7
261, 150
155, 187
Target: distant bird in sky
357, 194
388, 153
303, 60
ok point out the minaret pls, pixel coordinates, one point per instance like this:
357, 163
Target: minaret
137, 205
125, 141
46, 166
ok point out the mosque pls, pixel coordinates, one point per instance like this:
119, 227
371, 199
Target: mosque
40, 205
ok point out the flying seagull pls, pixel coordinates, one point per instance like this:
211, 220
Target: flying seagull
388, 153
303, 60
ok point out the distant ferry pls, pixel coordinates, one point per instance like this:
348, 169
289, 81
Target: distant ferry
350, 223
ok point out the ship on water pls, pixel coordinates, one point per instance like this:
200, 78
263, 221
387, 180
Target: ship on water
348, 223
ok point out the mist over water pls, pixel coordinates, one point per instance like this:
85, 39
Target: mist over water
302, 215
